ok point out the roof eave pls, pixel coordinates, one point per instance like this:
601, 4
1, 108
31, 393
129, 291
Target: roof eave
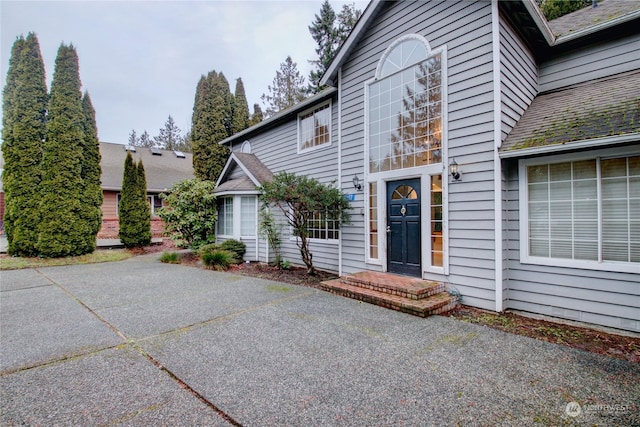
569, 146
540, 21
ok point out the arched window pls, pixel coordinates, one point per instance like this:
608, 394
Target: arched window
404, 107
245, 147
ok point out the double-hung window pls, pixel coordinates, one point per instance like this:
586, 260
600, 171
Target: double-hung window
314, 128
225, 216
582, 212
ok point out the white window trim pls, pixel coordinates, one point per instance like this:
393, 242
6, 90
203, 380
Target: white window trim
255, 208
294, 238
307, 111
228, 236
424, 172
525, 258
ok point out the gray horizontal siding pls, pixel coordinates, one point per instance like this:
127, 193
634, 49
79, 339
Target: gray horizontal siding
593, 296
277, 149
590, 63
465, 28
518, 78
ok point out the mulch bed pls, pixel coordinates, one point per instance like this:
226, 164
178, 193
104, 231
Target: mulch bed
596, 341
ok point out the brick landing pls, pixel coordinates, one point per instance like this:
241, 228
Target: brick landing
407, 294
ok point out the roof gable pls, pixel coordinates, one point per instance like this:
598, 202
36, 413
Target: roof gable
254, 173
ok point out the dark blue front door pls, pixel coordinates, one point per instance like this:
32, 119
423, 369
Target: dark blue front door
403, 227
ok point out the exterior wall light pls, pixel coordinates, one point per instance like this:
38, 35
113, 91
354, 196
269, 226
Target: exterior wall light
453, 170
356, 183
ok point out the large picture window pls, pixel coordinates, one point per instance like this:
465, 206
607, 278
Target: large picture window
405, 111
584, 210
314, 128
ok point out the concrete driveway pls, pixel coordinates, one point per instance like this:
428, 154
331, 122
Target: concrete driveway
139, 342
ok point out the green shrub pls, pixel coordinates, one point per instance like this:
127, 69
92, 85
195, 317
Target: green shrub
218, 259
236, 247
170, 258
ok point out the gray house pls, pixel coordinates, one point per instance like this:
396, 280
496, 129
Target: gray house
481, 146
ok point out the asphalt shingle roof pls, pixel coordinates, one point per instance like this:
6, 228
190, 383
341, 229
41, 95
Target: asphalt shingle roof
589, 16
161, 171
599, 108
255, 167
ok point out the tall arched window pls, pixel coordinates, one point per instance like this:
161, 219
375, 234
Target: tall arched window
405, 107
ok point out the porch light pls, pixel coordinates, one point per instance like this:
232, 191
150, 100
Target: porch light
356, 183
453, 170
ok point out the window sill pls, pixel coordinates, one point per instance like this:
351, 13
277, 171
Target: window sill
617, 267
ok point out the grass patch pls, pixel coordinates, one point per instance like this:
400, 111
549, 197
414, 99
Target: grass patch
170, 258
15, 263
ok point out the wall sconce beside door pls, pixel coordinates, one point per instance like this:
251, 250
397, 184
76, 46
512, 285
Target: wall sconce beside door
453, 170
356, 183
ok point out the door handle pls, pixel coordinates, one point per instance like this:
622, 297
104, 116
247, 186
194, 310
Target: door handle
388, 229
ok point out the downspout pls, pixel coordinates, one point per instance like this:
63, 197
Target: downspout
497, 169
340, 162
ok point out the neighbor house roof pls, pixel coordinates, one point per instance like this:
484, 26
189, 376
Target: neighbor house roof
162, 169
589, 113
255, 173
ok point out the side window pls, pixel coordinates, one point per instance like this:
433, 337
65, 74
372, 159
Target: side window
314, 128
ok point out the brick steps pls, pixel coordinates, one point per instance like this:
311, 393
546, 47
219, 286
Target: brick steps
408, 295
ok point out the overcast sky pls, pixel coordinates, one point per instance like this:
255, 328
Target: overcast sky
141, 60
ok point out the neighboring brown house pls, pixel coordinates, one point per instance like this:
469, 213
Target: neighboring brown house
163, 168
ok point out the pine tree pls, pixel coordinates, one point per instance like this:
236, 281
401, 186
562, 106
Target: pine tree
324, 34
257, 116
286, 90
145, 140
169, 137
240, 109
23, 131
210, 121
329, 31
91, 173
133, 139
62, 230
133, 210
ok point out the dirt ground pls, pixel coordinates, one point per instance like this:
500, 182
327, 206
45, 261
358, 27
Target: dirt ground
596, 341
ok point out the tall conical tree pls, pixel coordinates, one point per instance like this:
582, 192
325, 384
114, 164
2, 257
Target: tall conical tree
91, 173
23, 132
324, 34
240, 109
62, 229
286, 90
257, 115
133, 210
210, 124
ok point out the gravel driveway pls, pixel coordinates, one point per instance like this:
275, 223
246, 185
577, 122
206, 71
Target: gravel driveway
139, 342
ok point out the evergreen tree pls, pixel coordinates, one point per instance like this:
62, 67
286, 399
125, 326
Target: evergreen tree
62, 230
170, 136
286, 90
133, 210
329, 31
23, 130
133, 138
257, 116
240, 109
209, 126
324, 34
145, 140
91, 173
